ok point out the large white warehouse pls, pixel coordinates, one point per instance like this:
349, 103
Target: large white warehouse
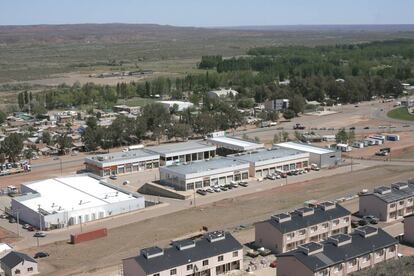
59, 202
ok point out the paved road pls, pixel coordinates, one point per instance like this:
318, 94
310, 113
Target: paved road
172, 205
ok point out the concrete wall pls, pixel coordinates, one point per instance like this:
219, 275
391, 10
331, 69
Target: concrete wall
409, 230
372, 205
290, 266
267, 236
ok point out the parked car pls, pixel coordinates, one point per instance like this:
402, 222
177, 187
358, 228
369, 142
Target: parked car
126, 182
352, 128
371, 219
201, 192
56, 158
31, 228
243, 183
354, 223
4, 216
217, 189
271, 177
39, 255
362, 222
277, 176
12, 220
113, 177
26, 226
234, 184
223, 188
209, 190
39, 235
367, 127
273, 264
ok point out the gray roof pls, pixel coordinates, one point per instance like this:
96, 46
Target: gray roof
181, 148
333, 254
173, 257
394, 194
270, 154
139, 154
217, 163
299, 222
14, 258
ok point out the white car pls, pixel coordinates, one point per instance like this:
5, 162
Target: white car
210, 190
126, 182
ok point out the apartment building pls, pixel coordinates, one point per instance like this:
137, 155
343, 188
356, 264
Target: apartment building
285, 232
213, 254
340, 254
389, 203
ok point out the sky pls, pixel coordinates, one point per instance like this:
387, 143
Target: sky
207, 13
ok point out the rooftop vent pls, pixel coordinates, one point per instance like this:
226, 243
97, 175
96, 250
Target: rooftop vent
152, 252
327, 205
383, 190
281, 217
366, 231
340, 239
184, 244
400, 185
311, 248
305, 211
216, 236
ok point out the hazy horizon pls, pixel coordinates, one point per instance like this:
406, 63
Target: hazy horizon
215, 13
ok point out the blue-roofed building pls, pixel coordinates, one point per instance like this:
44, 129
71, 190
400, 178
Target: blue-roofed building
215, 253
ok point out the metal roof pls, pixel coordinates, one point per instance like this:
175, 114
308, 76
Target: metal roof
274, 155
172, 257
234, 143
333, 253
300, 221
304, 147
175, 149
116, 158
203, 166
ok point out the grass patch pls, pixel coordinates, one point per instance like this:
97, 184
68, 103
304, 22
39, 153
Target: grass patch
136, 101
400, 113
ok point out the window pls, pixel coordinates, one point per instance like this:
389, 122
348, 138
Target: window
290, 236
379, 253
156, 274
313, 229
220, 258
189, 267
235, 253
392, 205
338, 268
401, 202
29, 269
353, 263
346, 219
325, 225
335, 222
205, 262
366, 258
302, 232
173, 271
17, 271
392, 249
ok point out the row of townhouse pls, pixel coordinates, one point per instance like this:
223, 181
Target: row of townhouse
389, 203
215, 253
286, 231
340, 254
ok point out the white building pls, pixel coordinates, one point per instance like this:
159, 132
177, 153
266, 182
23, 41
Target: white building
222, 93
233, 144
59, 202
277, 104
180, 104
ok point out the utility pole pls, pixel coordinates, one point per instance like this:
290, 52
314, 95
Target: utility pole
194, 197
40, 218
60, 159
352, 162
80, 222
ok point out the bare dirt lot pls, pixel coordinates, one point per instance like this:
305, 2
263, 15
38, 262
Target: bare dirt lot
124, 242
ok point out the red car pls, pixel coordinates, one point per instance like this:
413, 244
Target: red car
273, 264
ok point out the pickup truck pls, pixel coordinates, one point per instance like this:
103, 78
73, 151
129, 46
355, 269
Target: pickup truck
298, 126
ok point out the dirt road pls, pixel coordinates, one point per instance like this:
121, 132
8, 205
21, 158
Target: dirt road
125, 241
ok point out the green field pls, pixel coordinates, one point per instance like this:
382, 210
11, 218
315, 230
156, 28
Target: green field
401, 113
136, 101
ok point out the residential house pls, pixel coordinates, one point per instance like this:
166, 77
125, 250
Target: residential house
16, 263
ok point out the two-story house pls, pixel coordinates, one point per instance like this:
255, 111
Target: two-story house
341, 254
285, 232
213, 254
389, 203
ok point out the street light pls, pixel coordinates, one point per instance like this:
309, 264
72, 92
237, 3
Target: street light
40, 218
